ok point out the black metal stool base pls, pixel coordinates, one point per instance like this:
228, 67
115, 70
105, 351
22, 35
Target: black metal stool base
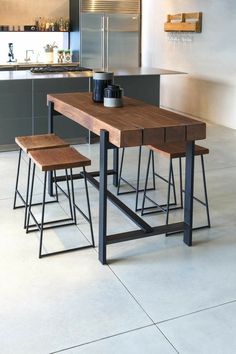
65, 251
134, 189
156, 208
41, 226
17, 193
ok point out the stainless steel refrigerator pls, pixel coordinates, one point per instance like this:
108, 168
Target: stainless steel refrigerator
106, 34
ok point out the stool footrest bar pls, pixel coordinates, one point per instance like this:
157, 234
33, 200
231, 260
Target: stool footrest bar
65, 251
134, 188
51, 222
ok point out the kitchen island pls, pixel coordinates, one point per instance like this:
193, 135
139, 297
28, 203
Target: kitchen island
23, 99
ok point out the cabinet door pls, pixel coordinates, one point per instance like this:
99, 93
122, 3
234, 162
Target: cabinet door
16, 110
63, 126
141, 87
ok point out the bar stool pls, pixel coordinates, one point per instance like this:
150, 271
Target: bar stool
136, 188
173, 151
26, 144
52, 160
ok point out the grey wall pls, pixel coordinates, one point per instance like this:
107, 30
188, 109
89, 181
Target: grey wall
208, 91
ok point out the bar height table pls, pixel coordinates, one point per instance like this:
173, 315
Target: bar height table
134, 124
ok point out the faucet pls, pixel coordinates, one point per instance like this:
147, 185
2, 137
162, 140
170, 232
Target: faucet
27, 57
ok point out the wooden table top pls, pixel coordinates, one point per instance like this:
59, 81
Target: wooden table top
134, 124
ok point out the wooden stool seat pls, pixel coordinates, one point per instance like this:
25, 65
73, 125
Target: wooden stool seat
35, 142
58, 159
175, 150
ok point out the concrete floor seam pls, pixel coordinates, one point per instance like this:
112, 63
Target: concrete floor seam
101, 339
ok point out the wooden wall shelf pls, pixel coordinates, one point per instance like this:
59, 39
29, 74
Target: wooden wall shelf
184, 22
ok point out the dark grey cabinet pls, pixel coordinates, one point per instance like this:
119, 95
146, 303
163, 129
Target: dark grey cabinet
141, 87
15, 110
24, 108
65, 128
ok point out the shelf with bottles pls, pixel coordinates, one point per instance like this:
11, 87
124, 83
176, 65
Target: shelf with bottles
33, 32
41, 25
52, 24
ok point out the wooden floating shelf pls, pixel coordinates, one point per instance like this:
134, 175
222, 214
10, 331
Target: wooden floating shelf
184, 22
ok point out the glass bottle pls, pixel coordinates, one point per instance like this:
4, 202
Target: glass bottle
61, 25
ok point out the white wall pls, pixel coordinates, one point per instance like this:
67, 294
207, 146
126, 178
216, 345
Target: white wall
208, 91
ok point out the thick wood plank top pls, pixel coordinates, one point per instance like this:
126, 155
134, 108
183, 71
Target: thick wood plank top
58, 158
134, 124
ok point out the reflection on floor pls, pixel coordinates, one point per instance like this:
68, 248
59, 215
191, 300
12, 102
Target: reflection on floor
155, 296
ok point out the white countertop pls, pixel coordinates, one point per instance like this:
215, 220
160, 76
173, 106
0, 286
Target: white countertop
27, 75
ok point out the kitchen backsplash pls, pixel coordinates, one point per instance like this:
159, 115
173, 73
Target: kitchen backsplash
31, 41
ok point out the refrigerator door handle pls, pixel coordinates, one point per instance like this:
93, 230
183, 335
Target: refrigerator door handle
103, 41
107, 54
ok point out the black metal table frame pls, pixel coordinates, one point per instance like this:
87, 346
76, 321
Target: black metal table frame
144, 230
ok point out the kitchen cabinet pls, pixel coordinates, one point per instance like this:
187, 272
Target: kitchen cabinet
24, 109
16, 110
63, 127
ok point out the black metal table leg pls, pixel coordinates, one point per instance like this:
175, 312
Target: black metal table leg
104, 141
115, 166
189, 185
50, 130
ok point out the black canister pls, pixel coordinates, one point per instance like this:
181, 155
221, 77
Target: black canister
113, 91
101, 80
113, 96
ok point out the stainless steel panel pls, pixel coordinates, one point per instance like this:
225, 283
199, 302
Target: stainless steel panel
109, 39
111, 6
122, 41
92, 40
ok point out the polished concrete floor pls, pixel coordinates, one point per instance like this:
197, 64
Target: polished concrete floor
154, 296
